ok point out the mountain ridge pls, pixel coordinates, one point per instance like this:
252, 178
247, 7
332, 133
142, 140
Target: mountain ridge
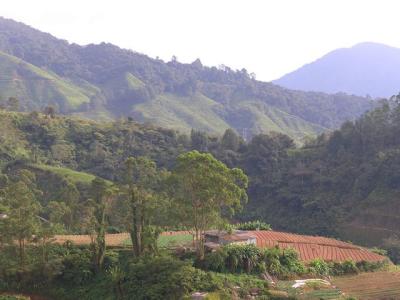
124, 83
367, 69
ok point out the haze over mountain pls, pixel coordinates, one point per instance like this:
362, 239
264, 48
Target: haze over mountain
364, 69
105, 82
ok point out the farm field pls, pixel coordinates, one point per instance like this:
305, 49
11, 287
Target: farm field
383, 285
168, 238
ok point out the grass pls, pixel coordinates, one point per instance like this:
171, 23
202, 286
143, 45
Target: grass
183, 113
72, 175
201, 112
38, 87
174, 240
165, 241
13, 297
133, 82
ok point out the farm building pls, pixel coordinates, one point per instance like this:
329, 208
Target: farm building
216, 238
308, 247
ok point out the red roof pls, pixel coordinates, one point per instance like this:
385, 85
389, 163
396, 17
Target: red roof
312, 247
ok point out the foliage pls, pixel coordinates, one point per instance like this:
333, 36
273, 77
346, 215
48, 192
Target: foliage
22, 208
165, 278
319, 267
253, 225
250, 259
145, 203
206, 191
310, 189
392, 245
322, 268
102, 195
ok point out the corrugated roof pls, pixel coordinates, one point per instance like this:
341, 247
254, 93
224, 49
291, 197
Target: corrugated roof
312, 247
237, 235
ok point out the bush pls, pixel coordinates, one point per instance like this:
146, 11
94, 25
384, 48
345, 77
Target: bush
250, 259
78, 267
319, 267
233, 258
366, 266
253, 225
346, 267
290, 262
231, 283
165, 278
392, 245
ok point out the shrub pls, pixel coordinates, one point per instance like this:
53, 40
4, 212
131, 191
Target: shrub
346, 267
78, 267
253, 225
250, 259
290, 262
319, 267
392, 245
216, 261
233, 258
366, 266
165, 278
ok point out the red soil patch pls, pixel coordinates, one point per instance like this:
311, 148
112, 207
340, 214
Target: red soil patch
313, 247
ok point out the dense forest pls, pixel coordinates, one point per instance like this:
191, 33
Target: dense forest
104, 82
342, 184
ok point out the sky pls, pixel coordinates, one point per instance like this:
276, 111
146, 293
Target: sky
268, 38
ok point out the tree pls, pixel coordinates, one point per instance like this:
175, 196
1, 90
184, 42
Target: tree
50, 111
230, 140
59, 213
69, 196
199, 140
141, 188
23, 209
101, 194
13, 104
206, 192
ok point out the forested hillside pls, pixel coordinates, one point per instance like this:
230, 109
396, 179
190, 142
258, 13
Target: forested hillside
104, 82
343, 184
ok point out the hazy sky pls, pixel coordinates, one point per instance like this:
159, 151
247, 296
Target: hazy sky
269, 38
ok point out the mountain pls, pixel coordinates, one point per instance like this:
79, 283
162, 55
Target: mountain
105, 82
365, 69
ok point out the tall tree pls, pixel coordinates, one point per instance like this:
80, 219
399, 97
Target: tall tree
230, 140
199, 140
102, 193
206, 193
23, 209
141, 188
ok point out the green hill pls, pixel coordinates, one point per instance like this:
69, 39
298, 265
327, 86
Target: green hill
36, 88
105, 82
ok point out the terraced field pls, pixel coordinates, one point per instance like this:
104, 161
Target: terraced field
371, 286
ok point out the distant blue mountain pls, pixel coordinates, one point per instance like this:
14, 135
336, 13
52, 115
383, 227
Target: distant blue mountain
364, 69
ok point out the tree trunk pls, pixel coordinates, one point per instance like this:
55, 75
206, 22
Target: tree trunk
136, 229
